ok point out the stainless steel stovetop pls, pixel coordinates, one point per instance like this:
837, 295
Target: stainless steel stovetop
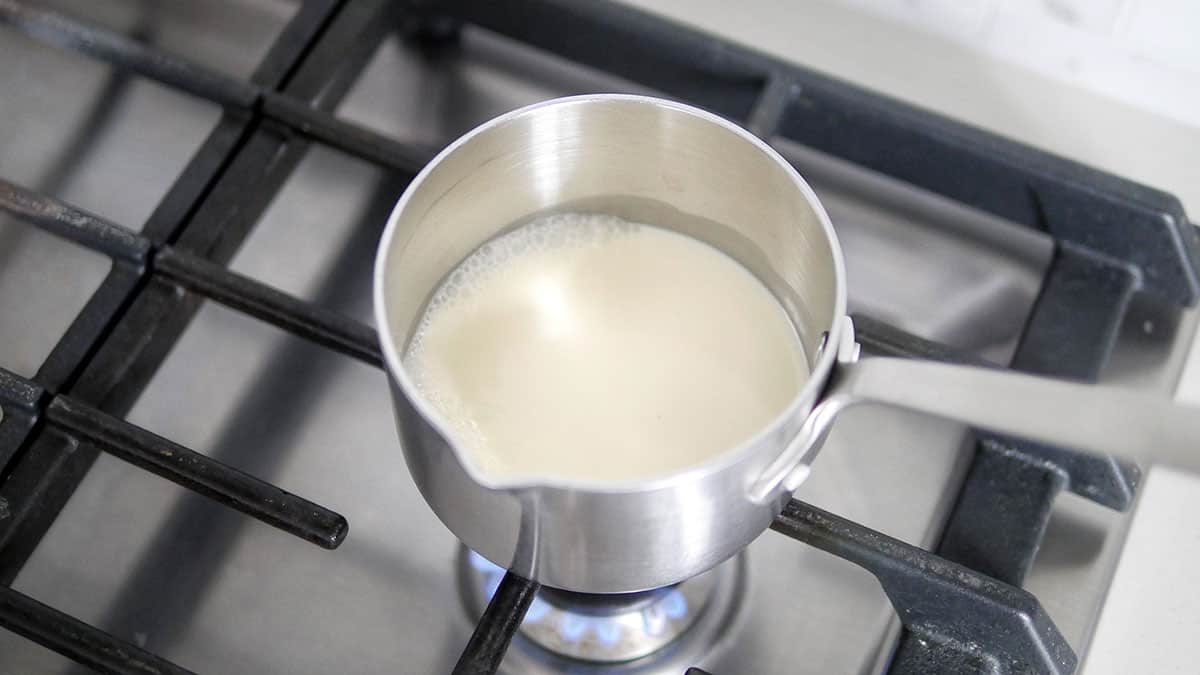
218, 592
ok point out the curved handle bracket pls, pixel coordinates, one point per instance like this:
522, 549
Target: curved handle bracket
1137, 426
792, 466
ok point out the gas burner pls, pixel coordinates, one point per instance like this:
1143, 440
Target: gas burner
615, 629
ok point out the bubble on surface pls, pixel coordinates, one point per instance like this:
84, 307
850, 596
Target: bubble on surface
551, 233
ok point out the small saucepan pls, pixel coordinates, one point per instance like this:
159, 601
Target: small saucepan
661, 162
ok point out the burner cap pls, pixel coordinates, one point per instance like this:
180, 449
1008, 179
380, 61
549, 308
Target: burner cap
601, 628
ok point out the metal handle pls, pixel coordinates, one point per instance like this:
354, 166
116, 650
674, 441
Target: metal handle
1105, 420
1108, 420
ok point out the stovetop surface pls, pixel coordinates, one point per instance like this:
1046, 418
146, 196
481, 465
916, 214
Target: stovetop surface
218, 592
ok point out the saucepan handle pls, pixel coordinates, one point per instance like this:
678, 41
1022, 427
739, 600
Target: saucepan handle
1139, 427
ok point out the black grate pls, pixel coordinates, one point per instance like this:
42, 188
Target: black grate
962, 608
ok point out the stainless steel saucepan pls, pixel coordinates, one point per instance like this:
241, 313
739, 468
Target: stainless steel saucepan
661, 162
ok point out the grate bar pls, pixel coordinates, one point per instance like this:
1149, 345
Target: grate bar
942, 601
1012, 483
685, 64
72, 223
1104, 480
181, 74
19, 401
93, 320
198, 473
883, 338
205, 277
15, 428
1074, 323
45, 475
305, 319
73, 638
496, 627
130, 54
281, 61
208, 211
18, 392
345, 136
769, 108
215, 153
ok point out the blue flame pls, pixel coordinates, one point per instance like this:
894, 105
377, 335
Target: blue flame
492, 573
538, 609
573, 627
654, 619
492, 582
675, 605
481, 563
608, 632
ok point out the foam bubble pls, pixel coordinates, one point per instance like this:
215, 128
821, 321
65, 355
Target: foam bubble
547, 234
552, 233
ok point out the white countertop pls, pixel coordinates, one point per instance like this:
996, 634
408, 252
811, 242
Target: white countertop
1111, 83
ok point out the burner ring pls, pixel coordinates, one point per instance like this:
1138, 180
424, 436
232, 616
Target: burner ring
605, 629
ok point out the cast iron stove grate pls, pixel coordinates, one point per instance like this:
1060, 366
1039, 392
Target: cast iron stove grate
962, 607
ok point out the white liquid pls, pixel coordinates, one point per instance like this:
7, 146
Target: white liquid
587, 347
